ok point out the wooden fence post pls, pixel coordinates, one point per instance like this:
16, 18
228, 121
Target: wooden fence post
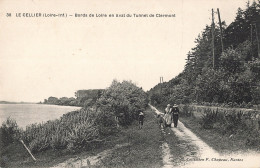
28, 150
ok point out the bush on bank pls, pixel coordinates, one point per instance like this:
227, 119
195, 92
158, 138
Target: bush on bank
9, 132
123, 100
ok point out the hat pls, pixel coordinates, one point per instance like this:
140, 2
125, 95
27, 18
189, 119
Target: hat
174, 105
168, 105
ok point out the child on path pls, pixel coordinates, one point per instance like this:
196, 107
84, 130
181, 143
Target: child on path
141, 120
160, 120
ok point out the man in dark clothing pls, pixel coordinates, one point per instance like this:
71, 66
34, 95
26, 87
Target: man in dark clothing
141, 120
175, 114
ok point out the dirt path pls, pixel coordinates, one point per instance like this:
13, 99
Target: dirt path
87, 161
203, 150
205, 156
202, 155
167, 156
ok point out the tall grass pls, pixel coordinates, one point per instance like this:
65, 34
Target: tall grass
233, 123
186, 110
230, 122
73, 130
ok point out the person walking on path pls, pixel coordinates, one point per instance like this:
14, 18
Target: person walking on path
160, 120
168, 116
175, 114
141, 120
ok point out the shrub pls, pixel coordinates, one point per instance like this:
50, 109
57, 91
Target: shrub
253, 138
187, 110
123, 100
249, 105
233, 121
243, 105
9, 132
230, 104
209, 118
235, 104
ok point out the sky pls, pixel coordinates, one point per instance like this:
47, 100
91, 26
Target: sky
43, 57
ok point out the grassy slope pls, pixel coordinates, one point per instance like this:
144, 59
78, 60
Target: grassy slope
221, 143
145, 149
16, 155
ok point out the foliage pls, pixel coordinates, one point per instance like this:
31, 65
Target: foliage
233, 123
209, 118
84, 98
9, 132
187, 110
61, 101
85, 127
123, 100
234, 79
73, 130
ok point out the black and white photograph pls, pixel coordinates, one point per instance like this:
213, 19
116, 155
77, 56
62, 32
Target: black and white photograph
130, 84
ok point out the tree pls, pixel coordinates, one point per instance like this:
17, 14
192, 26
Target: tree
53, 100
123, 100
237, 74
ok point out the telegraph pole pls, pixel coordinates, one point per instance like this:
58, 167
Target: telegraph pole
258, 47
160, 85
251, 39
161, 79
221, 34
251, 33
212, 30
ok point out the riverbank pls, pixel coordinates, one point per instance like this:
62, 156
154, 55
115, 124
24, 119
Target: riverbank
144, 149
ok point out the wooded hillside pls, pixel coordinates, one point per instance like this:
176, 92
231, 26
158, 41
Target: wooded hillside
235, 76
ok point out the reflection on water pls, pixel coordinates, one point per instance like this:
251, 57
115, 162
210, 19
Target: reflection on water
26, 114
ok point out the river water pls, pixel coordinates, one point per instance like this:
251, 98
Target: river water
26, 114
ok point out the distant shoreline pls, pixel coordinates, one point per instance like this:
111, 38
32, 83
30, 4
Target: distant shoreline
7, 102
